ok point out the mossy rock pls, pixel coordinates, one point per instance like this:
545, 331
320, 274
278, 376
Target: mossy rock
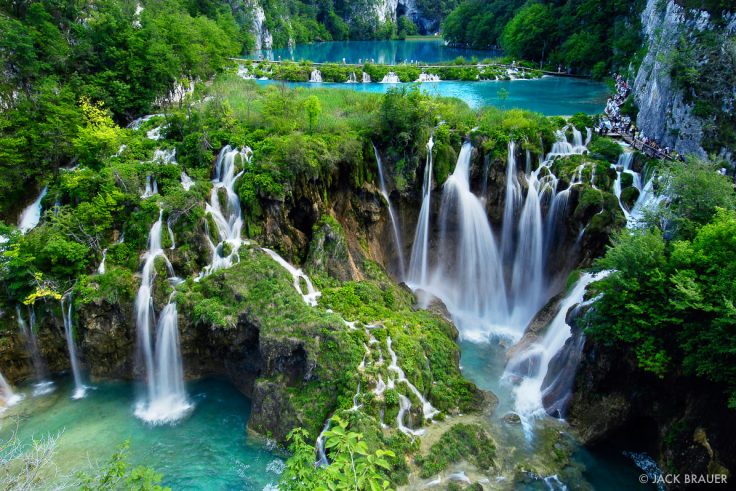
462, 441
629, 197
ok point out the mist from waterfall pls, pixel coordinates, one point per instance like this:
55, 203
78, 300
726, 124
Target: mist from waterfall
165, 398
392, 215
7, 396
66, 312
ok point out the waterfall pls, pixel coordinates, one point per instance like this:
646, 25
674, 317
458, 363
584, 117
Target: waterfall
391, 214
171, 234
419, 265
31, 215
469, 277
511, 202
322, 460
42, 385
366, 78
101, 267
352, 78
428, 77
390, 78
428, 410
229, 221
151, 187
166, 156
166, 399
315, 76
531, 364
66, 313
311, 295
186, 181
527, 284
7, 396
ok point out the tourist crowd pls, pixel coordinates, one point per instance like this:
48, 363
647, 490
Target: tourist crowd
615, 122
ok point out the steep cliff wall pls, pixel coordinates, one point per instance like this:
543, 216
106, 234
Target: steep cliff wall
685, 87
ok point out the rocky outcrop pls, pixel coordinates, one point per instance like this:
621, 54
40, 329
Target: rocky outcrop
681, 421
678, 116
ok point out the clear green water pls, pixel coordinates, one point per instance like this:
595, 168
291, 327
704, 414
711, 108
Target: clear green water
209, 450
388, 52
551, 96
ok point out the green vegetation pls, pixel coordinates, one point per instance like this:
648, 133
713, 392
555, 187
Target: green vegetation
339, 73
461, 442
588, 36
670, 298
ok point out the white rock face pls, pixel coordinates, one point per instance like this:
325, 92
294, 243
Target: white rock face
664, 113
264, 39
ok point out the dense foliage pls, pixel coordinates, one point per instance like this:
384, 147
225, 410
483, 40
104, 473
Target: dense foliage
122, 59
671, 296
587, 36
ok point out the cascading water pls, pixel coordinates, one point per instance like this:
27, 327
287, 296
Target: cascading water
531, 364
171, 235
151, 187
390, 78
391, 214
511, 202
528, 282
66, 312
366, 78
419, 265
311, 295
469, 275
352, 78
428, 77
31, 215
315, 76
101, 267
229, 220
166, 399
186, 181
42, 385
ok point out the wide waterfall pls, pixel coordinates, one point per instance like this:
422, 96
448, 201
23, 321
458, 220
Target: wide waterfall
530, 366
391, 215
66, 312
229, 221
31, 215
492, 292
419, 266
390, 78
366, 78
352, 78
428, 77
166, 399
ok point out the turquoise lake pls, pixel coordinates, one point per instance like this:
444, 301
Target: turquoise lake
209, 449
386, 52
551, 96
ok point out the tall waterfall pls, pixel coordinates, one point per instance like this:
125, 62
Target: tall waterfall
469, 275
531, 365
66, 312
511, 202
229, 221
391, 214
166, 399
419, 265
31, 215
42, 385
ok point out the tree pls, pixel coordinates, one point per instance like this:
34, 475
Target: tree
313, 109
529, 32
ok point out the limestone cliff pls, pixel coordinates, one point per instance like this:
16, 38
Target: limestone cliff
685, 88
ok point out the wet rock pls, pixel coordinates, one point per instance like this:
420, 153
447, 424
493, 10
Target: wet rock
512, 418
